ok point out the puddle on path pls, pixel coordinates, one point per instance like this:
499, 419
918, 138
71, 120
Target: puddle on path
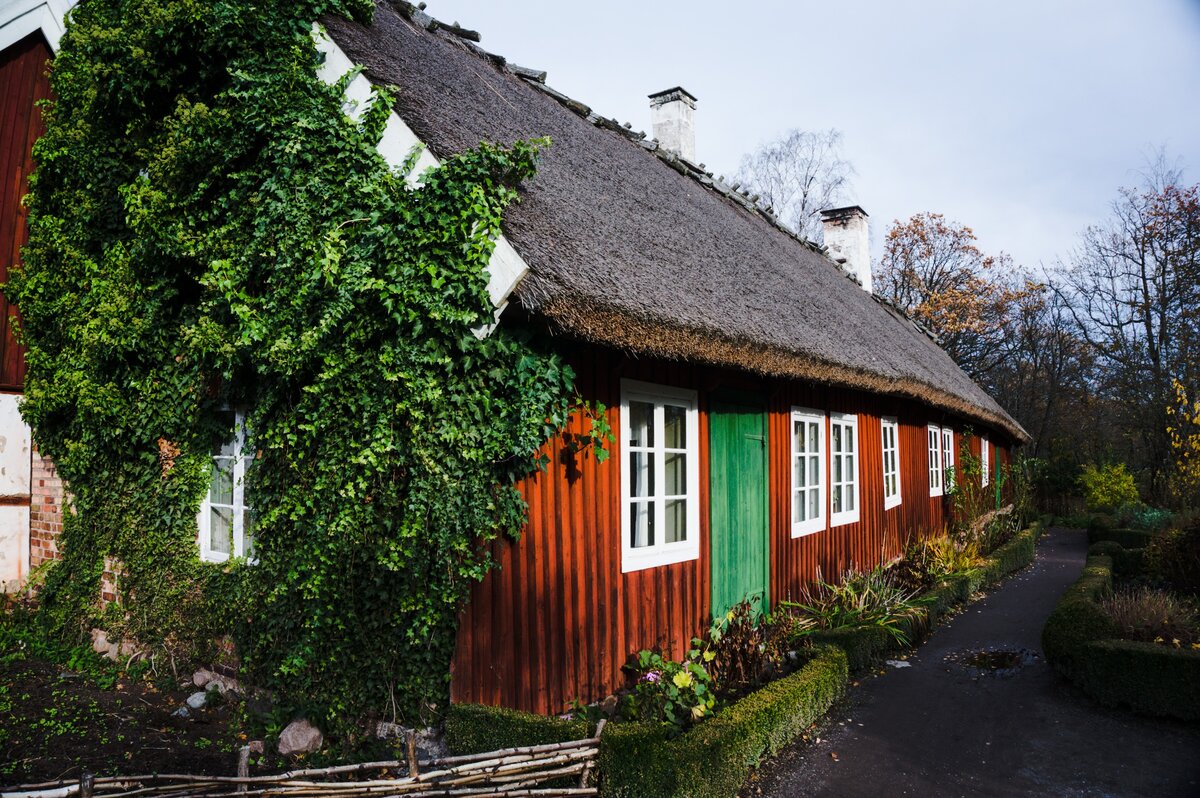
998, 662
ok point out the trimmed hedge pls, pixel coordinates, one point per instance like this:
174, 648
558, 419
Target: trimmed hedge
1126, 562
475, 729
713, 758
1129, 538
865, 646
1080, 642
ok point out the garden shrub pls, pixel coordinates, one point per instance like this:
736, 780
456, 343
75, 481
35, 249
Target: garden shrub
1174, 558
1108, 487
1126, 562
1152, 615
210, 230
1129, 538
476, 729
1080, 641
713, 759
861, 599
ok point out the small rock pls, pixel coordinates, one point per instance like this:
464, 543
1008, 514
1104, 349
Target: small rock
197, 700
300, 737
898, 663
182, 712
202, 677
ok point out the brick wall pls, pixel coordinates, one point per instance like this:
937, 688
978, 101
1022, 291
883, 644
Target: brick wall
45, 511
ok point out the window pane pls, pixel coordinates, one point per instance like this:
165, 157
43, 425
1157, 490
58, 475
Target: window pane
814, 506
849, 438
674, 427
641, 424
814, 439
797, 436
676, 520
220, 490
676, 473
837, 498
220, 527
641, 524
641, 474
801, 476
849, 499
836, 443
798, 506
813, 470
837, 468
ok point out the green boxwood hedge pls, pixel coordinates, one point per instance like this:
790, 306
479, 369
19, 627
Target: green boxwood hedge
1129, 538
1081, 643
1126, 562
474, 729
867, 645
713, 758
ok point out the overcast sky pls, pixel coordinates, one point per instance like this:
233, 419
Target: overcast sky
1019, 118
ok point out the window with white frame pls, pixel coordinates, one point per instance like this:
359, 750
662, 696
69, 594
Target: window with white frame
843, 470
808, 471
890, 429
660, 476
226, 523
985, 462
935, 461
948, 458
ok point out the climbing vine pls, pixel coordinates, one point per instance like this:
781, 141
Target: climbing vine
209, 230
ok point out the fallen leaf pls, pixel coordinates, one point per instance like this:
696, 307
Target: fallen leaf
833, 755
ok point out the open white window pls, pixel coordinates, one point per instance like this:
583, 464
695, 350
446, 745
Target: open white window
226, 524
948, 458
890, 429
935, 461
985, 461
843, 476
808, 471
660, 476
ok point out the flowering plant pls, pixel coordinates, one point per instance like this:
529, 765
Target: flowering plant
679, 693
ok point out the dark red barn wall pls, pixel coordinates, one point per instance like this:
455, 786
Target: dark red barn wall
557, 619
23, 82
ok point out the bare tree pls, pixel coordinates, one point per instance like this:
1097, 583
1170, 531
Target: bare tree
1133, 288
799, 175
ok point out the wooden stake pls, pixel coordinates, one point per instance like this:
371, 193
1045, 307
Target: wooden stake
410, 744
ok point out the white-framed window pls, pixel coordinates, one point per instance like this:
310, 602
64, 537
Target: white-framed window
985, 462
843, 468
890, 429
226, 523
660, 476
808, 471
948, 457
935, 460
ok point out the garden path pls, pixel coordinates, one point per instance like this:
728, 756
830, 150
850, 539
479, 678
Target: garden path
940, 728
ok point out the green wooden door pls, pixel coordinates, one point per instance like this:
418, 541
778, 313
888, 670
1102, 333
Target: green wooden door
738, 478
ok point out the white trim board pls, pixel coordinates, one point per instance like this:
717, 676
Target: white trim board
507, 267
19, 18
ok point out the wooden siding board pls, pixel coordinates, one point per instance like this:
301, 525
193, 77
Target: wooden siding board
23, 83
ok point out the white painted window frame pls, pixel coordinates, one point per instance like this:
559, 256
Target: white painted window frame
949, 480
818, 522
204, 518
661, 553
846, 421
933, 445
890, 424
985, 461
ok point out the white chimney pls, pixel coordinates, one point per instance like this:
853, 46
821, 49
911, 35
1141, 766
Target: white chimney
671, 113
848, 242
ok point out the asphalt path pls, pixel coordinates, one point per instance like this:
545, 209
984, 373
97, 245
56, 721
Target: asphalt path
944, 727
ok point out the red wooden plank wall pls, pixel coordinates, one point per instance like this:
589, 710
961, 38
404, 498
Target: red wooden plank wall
558, 618
23, 81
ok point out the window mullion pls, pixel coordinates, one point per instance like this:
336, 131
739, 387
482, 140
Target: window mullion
659, 466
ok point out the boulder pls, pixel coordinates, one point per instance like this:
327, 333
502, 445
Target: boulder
300, 737
197, 700
202, 677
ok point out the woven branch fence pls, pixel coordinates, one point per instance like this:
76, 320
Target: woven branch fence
509, 773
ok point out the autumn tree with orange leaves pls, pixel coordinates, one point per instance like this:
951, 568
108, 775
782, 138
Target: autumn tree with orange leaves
933, 270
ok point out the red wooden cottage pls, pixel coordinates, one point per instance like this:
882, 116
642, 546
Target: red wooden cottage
773, 418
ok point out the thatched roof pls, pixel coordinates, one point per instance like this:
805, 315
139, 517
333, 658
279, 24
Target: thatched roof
631, 248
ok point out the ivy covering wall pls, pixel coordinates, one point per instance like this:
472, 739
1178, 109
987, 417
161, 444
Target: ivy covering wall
210, 231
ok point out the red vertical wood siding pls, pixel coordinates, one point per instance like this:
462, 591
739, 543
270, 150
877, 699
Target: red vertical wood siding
557, 619
23, 82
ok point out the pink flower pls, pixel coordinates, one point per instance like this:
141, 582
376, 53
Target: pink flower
652, 676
